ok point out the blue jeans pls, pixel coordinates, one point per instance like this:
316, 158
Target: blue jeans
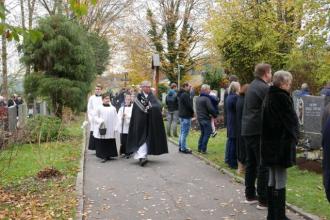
206, 131
184, 131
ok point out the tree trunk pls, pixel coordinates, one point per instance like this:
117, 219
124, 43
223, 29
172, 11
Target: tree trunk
4, 57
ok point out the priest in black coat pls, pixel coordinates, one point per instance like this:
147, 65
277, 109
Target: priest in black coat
146, 135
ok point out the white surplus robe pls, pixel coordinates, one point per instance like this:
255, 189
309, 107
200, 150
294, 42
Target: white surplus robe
127, 119
108, 115
93, 103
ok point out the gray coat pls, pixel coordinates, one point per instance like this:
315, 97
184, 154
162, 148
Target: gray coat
251, 118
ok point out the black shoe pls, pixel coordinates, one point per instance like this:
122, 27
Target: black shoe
143, 161
180, 149
199, 151
127, 156
186, 151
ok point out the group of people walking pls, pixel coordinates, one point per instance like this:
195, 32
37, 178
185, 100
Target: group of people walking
262, 130
138, 121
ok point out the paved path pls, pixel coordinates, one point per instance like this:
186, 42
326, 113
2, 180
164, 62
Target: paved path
172, 186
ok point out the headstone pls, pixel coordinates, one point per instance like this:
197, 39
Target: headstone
36, 109
12, 118
312, 118
22, 114
43, 108
298, 106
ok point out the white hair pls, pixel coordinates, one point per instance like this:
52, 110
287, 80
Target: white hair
205, 87
145, 83
304, 86
281, 77
234, 87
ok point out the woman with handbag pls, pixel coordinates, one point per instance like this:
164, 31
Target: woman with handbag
106, 121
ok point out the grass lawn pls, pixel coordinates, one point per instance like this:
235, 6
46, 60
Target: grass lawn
304, 189
23, 195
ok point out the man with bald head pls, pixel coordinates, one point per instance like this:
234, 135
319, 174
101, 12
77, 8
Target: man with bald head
146, 135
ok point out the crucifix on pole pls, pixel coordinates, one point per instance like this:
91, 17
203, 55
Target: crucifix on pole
155, 63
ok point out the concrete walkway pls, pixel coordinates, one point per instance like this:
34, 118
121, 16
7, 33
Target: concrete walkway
171, 186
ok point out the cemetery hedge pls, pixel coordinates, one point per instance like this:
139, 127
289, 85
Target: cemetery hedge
42, 128
304, 188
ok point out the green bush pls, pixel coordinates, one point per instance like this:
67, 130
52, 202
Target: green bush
45, 128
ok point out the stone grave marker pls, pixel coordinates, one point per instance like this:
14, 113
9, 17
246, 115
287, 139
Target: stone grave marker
312, 118
12, 118
22, 114
43, 108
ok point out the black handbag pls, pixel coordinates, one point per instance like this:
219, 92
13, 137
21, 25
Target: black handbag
102, 129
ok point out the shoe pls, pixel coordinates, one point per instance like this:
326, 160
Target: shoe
143, 161
199, 151
250, 201
262, 206
214, 134
203, 152
127, 156
104, 160
186, 151
180, 149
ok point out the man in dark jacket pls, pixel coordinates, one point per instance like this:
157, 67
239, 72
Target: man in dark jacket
186, 112
171, 102
204, 111
326, 150
251, 130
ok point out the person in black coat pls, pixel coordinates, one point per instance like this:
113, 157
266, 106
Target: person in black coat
251, 131
240, 141
231, 124
186, 113
326, 150
146, 134
279, 137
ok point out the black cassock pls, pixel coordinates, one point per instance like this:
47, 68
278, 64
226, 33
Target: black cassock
146, 126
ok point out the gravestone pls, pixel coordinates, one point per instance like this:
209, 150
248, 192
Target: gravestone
298, 106
22, 114
12, 118
36, 108
312, 119
43, 108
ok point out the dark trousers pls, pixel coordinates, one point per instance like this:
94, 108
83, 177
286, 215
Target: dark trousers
206, 131
254, 170
123, 141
